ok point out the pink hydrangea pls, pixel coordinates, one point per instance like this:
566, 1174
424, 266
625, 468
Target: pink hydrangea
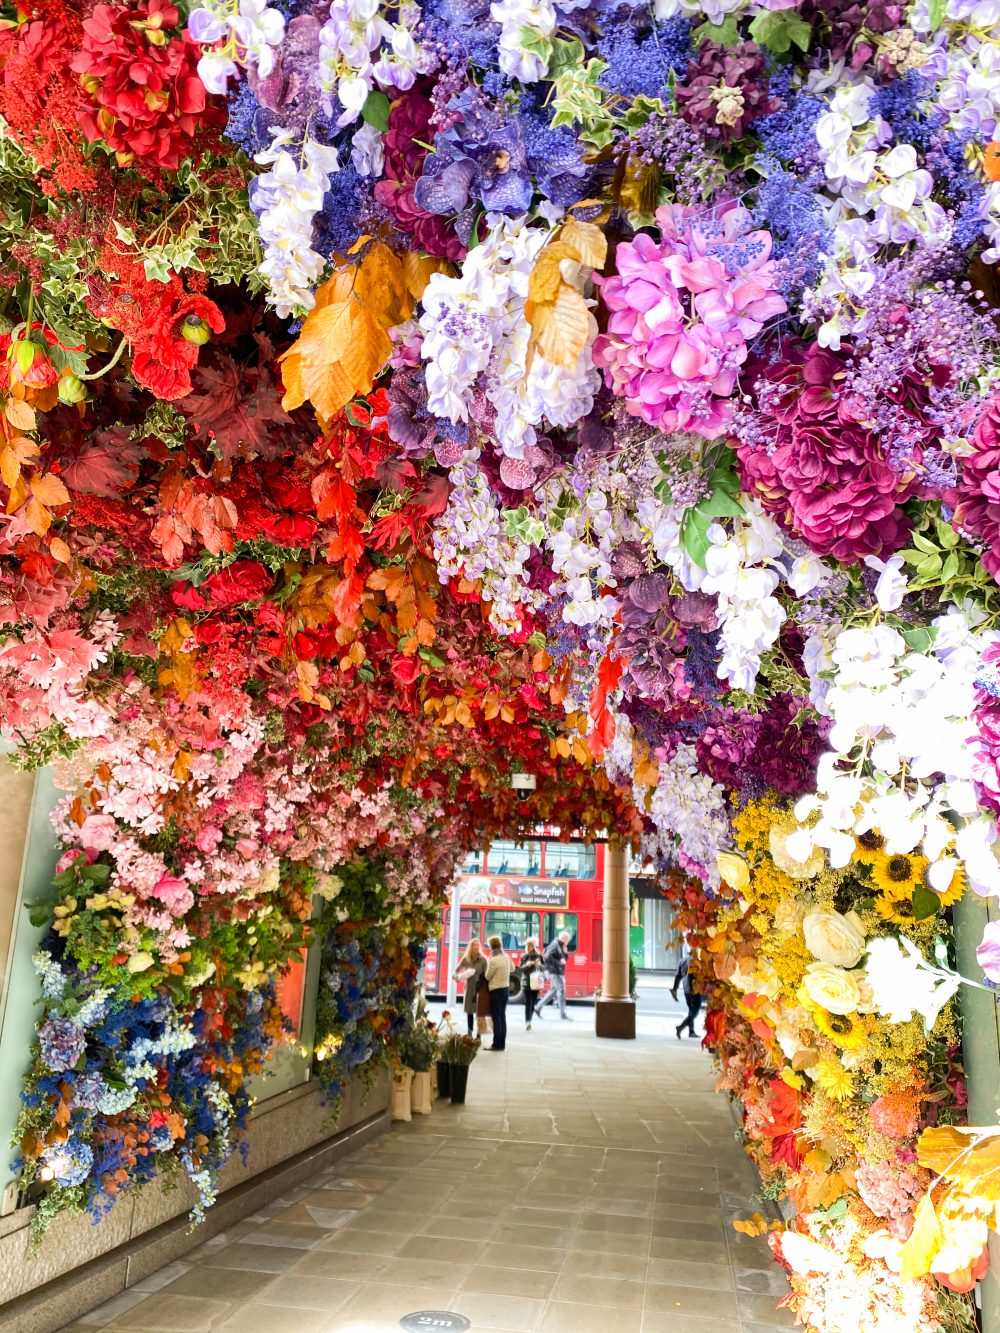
680, 313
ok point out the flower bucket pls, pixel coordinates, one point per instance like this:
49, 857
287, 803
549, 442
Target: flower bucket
420, 1093
444, 1079
459, 1082
401, 1094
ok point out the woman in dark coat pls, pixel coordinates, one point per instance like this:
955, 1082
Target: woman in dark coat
531, 964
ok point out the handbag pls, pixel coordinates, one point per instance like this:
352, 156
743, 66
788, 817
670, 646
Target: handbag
535, 979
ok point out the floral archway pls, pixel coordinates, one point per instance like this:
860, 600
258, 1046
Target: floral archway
397, 396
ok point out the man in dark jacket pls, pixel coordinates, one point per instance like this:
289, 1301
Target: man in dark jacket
554, 962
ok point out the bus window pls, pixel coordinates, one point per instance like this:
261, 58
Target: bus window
512, 927
468, 927
473, 863
557, 922
570, 860
597, 940
514, 858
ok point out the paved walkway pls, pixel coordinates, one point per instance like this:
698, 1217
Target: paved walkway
586, 1187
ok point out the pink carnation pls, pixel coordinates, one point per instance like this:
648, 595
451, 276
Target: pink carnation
680, 312
98, 833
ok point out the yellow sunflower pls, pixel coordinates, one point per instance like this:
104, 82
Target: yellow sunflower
899, 874
898, 910
868, 846
847, 1030
955, 889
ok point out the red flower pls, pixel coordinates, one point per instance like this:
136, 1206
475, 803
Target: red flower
784, 1112
288, 529
242, 581
147, 99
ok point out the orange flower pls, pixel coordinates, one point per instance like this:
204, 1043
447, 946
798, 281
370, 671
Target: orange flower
991, 161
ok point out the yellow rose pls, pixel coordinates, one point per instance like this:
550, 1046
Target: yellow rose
833, 938
831, 988
787, 916
734, 870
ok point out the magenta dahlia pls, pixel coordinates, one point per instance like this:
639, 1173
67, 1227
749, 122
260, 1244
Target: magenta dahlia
976, 498
409, 128
680, 313
819, 469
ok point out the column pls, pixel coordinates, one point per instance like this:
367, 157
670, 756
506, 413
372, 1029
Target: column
615, 1008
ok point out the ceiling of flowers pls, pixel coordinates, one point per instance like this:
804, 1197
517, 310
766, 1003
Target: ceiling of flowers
396, 396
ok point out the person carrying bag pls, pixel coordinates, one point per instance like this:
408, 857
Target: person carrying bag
499, 970
533, 979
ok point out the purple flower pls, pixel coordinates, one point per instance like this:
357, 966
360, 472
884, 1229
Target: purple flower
62, 1042
493, 169
988, 953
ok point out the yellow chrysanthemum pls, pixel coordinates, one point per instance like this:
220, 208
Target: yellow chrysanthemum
847, 1030
899, 874
868, 846
833, 1078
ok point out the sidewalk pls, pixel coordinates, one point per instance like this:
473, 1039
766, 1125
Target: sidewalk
587, 1187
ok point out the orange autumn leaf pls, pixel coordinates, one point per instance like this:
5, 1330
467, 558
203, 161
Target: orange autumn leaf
344, 341
49, 490
757, 1225
969, 1157
60, 551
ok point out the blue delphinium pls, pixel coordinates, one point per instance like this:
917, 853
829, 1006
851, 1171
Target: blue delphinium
640, 63
335, 226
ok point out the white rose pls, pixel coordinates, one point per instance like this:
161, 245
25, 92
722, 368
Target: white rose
831, 988
833, 938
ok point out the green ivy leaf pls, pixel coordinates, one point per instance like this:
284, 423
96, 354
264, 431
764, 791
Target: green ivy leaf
725, 33
780, 29
926, 903
376, 110
694, 536
920, 638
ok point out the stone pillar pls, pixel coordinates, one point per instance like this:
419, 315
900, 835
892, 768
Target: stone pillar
615, 1008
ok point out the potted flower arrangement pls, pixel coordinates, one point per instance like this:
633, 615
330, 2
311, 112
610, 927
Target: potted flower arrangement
459, 1052
417, 1049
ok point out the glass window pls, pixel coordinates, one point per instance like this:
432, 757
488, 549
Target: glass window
472, 864
557, 922
512, 927
468, 926
570, 860
515, 858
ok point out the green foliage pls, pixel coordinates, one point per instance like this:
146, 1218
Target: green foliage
725, 33
780, 30
579, 100
376, 110
938, 560
722, 500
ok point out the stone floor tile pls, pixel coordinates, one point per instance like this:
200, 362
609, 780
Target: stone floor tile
509, 1281
460, 1228
374, 1302
162, 1313
254, 1258
764, 1310
442, 1271
433, 1247
599, 1290
550, 1237
300, 1291
675, 1272
691, 1301
342, 1264
488, 1311
604, 1242
161, 1278
259, 1318
628, 1267
564, 1317
222, 1284
529, 1257
659, 1321
359, 1241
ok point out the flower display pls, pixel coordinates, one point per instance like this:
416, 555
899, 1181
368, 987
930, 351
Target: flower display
395, 397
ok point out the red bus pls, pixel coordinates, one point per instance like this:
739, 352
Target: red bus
529, 890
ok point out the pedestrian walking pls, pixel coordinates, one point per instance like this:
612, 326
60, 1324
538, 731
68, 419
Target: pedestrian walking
533, 979
692, 998
472, 970
498, 970
554, 960
681, 969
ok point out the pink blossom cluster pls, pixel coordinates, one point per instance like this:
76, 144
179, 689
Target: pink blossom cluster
890, 1191
680, 313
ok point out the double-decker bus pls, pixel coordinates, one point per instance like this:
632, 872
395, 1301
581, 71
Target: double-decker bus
529, 890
